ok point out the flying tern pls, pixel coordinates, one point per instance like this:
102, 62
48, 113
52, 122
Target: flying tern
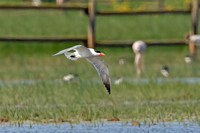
93, 57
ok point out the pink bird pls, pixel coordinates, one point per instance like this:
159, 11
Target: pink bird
139, 48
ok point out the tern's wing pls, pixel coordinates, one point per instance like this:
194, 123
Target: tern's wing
77, 47
102, 70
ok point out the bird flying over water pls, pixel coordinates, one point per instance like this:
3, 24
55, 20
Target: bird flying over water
93, 57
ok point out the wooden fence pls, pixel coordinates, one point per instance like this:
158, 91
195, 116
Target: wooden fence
90, 10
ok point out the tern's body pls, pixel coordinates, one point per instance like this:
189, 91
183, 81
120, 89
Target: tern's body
139, 48
92, 56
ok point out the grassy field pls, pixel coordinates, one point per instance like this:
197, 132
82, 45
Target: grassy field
31, 85
75, 23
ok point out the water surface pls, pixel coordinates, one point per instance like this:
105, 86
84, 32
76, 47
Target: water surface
105, 127
98, 81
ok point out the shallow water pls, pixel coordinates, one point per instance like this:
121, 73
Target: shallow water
162, 80
98, 81
109, 127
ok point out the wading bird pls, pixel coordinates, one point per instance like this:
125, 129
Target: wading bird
188, 59
36, 2
59, 2
139, 48
165, 71
194, 39
93, 57
118, 80
69, 77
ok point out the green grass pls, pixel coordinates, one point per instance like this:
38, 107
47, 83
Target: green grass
75, 24
86, 98
45, 23
156, 27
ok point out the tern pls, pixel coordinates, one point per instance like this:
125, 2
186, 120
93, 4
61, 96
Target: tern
139, 48
93, 57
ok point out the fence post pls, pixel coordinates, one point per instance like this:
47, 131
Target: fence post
91, 28
195, 8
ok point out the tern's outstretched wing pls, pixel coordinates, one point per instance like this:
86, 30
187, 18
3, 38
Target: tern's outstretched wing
102, 70
77, 47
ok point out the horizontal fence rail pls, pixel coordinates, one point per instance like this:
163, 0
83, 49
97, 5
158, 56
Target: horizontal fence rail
56, 39
150, 43
143, 12
44, 7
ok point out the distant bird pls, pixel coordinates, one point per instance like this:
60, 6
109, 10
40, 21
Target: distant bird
69, 77
194, 39
139, 48
118, 80
188, 59
165, 71
122, 61
93, 57
36, 2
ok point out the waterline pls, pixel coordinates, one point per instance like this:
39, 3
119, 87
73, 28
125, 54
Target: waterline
102, 127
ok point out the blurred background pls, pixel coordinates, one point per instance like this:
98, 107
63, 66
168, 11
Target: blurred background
125, 27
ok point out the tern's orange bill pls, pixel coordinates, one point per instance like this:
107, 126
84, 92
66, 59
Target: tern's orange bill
102, 54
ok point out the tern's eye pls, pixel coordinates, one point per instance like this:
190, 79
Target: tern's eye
97, 51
